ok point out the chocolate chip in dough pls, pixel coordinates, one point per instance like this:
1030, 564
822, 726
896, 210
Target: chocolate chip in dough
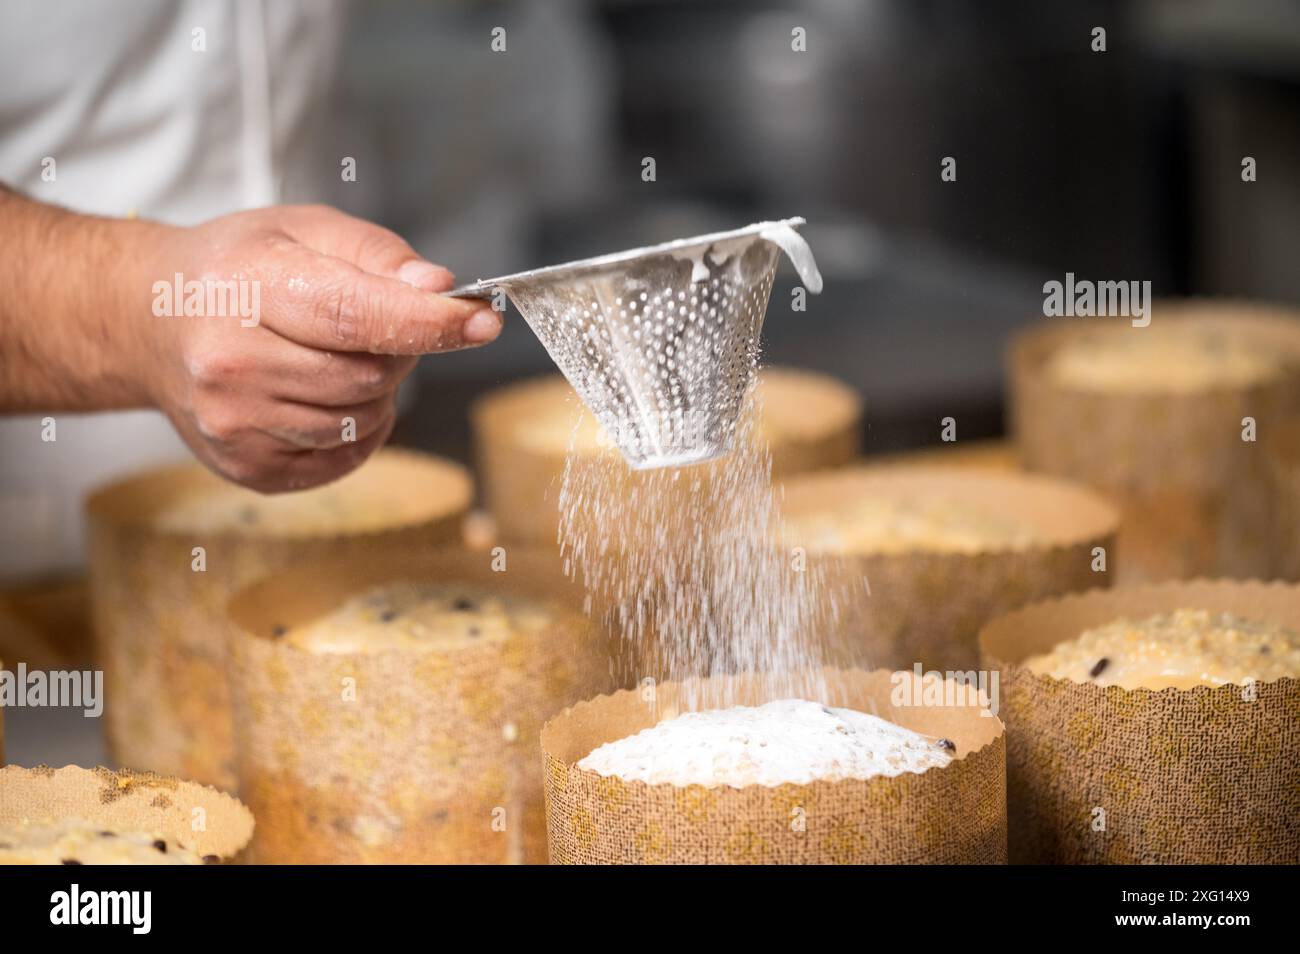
1099, 667
161, 845
388, 615
279, 630
947, 745
462, 605
211, 859
70, 861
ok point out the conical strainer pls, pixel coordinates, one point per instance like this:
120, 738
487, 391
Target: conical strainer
661, 343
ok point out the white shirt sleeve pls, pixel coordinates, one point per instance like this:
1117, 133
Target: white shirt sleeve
178, 110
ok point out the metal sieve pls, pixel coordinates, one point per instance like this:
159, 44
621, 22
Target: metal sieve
661, 343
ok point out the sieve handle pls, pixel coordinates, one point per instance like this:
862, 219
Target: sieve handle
477, 290
795, 246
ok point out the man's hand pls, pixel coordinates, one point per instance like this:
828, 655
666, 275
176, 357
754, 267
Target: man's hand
306, 393
286, 379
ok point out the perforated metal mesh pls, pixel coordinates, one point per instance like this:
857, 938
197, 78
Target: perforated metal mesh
660, 344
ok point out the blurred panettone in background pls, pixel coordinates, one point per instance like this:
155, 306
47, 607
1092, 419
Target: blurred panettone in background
524, 431
1284, 465
170, 547
1172, 421
943, 549
998, 455
46, 625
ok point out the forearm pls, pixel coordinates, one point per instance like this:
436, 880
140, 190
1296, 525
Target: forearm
74, 309
288, 384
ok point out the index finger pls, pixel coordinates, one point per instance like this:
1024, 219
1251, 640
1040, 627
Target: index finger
370, 247
331, 304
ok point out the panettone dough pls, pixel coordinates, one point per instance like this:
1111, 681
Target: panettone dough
789, 741
899, 523
76, 842
794, 406
1183, 649
1177, 357
416, 615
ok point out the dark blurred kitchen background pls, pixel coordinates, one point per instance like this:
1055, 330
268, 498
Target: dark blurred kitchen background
1117, 165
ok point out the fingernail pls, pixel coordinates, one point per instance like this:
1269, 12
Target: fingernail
425, 275
482, 326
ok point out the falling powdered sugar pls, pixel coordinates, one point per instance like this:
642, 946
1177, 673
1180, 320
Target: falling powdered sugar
789, 741
689, 568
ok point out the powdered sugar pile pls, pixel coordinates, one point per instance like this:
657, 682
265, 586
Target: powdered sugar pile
788, 741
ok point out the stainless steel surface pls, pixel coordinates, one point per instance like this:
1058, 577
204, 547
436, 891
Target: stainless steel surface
568, 271
483, 292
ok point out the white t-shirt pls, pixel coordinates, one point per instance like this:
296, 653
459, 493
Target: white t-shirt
176, 110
